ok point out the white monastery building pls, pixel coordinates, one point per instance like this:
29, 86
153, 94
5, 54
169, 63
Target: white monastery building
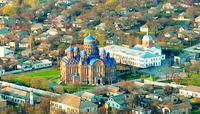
142, 56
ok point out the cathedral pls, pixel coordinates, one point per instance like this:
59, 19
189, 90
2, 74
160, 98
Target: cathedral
88, 66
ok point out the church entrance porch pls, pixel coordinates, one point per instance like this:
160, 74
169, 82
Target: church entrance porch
98, 80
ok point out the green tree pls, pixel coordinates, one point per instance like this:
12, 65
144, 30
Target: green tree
32, 3
100, 36
9, 10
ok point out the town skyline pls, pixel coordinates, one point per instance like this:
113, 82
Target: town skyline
99, 56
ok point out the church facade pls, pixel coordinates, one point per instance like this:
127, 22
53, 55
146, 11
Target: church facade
88, 66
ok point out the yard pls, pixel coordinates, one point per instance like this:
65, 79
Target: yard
130, 76
47, 74
71, 88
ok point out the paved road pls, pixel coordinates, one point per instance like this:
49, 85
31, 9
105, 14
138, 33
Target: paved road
192, 49
157, 71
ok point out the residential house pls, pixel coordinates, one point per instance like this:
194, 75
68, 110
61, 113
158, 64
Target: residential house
59, 19
14, 44
190, 91
36, 26
168, 12
144, 28
4, 52
183, 28
43, 36
3, 32
118, 26
183, 16
78, 23
197, 22
70, 103
124, 11
7, 20
141, 110
24, 34
66, 38
23, 43
184, 57
136, 15
177, 108
153, 11
14, 95
168, 6
101, 27
174, 41
2, 24
41, 64
3, 2
2, 72
53, 31
168, 34
118, 102
40, 12
3, 104
197, 19
112, 91
90, 97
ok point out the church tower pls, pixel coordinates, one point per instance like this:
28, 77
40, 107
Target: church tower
90, 46
70, 52
147, 41
103, 54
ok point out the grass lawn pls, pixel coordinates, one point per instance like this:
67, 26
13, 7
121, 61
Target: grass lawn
55, 80
130, 76
47, 74
196, 112
76, 87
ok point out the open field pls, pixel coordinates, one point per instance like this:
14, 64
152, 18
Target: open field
47, 74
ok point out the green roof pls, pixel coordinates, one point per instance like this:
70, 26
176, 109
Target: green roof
150, 78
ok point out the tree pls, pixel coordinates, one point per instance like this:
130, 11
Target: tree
126, 85
9, 110
99, 90
143, 77
59, 89
99, 35
32, 3
9, 10
195, 67
8, 77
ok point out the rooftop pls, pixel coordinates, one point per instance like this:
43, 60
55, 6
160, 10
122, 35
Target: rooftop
192, 88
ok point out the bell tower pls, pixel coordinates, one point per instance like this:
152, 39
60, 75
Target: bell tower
147, 41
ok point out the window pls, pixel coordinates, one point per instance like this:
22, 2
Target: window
86, 72
70, 70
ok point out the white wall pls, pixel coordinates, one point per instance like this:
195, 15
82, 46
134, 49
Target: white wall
2, 72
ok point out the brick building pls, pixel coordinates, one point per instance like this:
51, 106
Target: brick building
88, 66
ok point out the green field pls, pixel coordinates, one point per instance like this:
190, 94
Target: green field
196, 112
55, 80
47, 74
130, 76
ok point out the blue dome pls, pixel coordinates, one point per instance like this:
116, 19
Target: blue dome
103, 51
92, 61
76, 49
90, 40
83, 52
70, 49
